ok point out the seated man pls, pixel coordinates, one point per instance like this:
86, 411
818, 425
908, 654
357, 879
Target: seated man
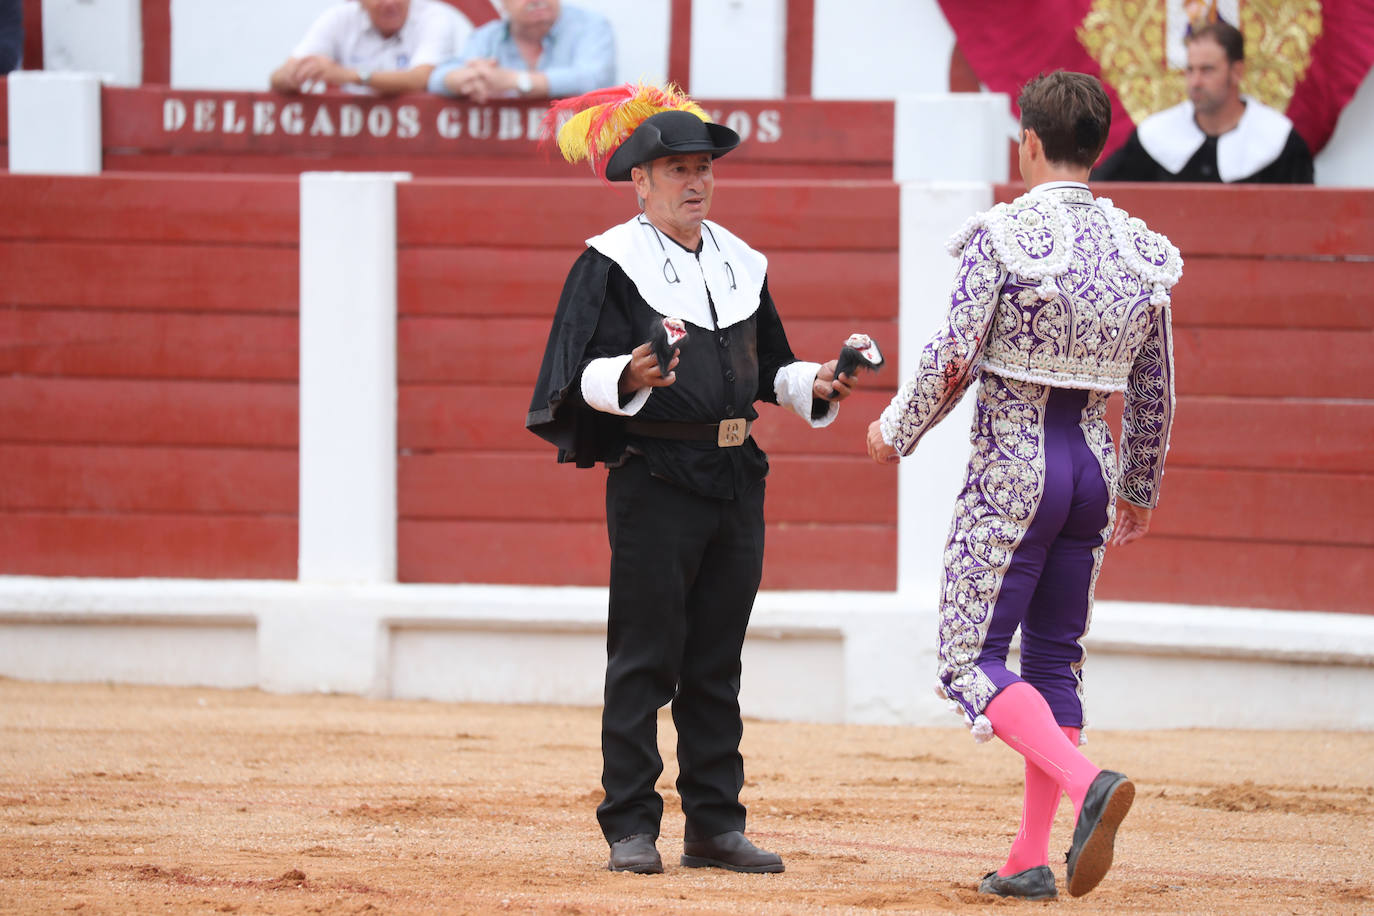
382, 47
540, 50
1217, 134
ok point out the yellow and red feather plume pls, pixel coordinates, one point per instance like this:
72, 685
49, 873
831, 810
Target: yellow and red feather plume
599, 121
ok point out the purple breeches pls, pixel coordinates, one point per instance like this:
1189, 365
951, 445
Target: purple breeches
1026, 545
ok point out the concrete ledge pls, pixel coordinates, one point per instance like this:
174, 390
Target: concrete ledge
856, 657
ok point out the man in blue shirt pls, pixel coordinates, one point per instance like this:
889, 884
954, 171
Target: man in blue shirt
542, 49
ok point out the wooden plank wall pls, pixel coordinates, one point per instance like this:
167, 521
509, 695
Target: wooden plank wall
481, 266
1268, 497
148, 376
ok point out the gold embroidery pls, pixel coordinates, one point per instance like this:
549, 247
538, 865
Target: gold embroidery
1129, 42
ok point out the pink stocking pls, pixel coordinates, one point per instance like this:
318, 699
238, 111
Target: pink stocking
1021, 717
1032, 844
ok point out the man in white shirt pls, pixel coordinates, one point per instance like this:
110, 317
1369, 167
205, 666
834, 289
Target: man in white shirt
383, 47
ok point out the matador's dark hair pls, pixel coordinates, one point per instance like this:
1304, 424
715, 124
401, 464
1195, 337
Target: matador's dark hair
1070, 113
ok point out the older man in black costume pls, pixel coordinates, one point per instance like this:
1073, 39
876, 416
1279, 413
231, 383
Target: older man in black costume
685, 490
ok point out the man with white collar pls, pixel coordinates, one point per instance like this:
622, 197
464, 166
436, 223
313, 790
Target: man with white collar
374, 47
1060, 300
1218, 134
685, 488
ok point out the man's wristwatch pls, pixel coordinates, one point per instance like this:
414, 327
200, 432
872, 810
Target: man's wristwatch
523, 83
364, 76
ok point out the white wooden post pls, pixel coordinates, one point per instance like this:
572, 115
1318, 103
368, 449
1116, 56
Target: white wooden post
949, 151
54, 123
348, 377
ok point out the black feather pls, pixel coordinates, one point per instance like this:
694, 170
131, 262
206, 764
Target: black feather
859, 352
667, 335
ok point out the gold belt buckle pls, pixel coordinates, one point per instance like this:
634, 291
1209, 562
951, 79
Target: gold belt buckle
732, 432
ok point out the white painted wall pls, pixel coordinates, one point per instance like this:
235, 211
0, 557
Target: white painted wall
235, 46
641, 37
104, 38
879, 49
856, 657
737, 48
1344, 161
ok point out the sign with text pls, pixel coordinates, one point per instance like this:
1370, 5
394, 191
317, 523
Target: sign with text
157, 120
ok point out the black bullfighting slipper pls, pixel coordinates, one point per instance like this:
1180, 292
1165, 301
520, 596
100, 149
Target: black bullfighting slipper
1104, 808
636, 853
1032, 884
731, 851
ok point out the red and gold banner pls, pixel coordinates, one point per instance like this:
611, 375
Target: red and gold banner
1303, 57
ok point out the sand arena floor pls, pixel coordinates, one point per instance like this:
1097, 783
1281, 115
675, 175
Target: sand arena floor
119, 799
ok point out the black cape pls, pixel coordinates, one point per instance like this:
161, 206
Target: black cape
583, 435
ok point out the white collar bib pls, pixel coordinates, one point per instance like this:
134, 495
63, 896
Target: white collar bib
674, 281
1172, 136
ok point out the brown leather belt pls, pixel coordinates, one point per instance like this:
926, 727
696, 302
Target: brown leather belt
726, 433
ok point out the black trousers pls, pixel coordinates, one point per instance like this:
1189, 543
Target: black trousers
684, 573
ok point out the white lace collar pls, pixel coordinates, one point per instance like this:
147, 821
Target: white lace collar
1172, 137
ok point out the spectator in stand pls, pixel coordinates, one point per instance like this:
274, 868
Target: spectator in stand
384, 47
540, 50
1217, 134
11, 35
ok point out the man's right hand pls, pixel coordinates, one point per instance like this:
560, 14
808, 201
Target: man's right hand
642, 370
1132, 522
315, 68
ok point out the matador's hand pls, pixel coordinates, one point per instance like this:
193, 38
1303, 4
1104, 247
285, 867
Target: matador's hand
1132, 522
879, 450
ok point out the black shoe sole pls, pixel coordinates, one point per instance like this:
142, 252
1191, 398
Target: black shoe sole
1096, 856
701, 862
645, 869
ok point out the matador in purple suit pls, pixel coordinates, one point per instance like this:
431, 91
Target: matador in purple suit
1060, 300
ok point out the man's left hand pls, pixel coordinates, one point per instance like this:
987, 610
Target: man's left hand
879, 450
828, 387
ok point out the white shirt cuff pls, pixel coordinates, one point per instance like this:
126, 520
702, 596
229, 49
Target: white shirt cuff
793, 385
601, 386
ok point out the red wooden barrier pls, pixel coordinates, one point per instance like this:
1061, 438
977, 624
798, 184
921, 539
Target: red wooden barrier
148, 403
481, 499
1268, 496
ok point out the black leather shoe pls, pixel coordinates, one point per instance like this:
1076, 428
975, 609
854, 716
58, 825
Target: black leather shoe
1104, 808
636, 853
730, 851
1032, 884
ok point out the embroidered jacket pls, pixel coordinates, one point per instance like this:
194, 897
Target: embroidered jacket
1060, 289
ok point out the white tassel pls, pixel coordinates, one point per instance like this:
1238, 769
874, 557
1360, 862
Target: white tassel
982, 730
957, 241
